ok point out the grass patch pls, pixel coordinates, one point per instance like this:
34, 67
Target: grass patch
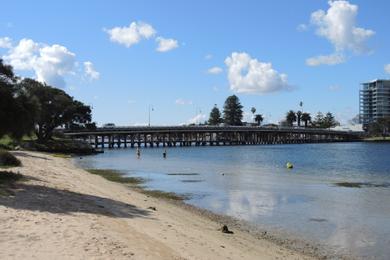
116, 176
7, 179
8, 160
163, 194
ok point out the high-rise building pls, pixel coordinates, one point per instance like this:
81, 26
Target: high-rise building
374, 101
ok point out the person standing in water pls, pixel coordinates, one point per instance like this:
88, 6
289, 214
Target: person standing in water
138, 152
165, 154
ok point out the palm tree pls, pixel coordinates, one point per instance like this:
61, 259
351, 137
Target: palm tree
299, 117
306, 118
291, 117
259, 118
253, 110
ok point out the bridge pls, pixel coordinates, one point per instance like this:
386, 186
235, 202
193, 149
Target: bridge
169, 136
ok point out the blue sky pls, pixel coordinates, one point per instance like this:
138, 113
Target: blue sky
261, 49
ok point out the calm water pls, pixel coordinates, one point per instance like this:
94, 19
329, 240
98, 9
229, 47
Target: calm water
252, 183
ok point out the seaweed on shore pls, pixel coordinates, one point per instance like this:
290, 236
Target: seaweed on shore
183, 174
116, 176
362, 185
163, 194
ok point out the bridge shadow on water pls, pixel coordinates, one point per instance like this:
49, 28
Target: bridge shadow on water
46, 199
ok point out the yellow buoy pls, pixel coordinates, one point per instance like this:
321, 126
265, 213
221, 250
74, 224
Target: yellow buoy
289, 165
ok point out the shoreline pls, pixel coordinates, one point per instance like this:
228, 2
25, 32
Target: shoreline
63, 211
281, 238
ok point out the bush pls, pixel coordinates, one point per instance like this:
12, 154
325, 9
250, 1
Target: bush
8, 159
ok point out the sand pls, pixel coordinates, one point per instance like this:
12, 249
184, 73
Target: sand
62, 212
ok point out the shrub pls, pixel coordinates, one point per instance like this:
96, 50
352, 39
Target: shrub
8, 159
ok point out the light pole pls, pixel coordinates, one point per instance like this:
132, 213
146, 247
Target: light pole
150, 107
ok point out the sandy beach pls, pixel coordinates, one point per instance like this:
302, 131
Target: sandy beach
62, 212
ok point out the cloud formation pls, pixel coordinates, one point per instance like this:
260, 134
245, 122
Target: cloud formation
248, 75
131, 34
165, 45
387, 68
50, 63
331, 59
338, 26
5, 42
214, 70
199, 118
137, 31
90, 72
181, 101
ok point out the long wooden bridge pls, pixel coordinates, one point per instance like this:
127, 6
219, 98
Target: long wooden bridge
168, 136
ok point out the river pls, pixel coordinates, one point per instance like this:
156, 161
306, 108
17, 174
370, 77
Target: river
252, 183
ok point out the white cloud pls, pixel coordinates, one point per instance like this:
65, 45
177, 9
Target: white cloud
5, 42
132, 34
247, 75
90, 72
181, 101
338, 25
208, 56
199, 118
214, 70
334, 88
165, 45
387, 68
331, 59
50, 63
302, 27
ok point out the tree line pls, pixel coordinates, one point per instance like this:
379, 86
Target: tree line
233, 114
30, 107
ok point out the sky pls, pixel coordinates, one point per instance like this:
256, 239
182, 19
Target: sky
177, 59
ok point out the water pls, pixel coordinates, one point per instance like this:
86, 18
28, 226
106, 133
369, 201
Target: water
253, 184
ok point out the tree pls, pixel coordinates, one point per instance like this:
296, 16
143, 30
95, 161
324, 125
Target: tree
253, 110
16, 110
55, 108
299, 117
306, 118
318, 120
258, 119
291, 117
327, 121
330, 121
232, 111
381, 127
215, 116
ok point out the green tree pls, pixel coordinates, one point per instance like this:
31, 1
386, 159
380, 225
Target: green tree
232, 111
329, 121
306, 118
215, 116
381, 127
299, 117
16, 110
253, 110
55, 108
319, 120
291, 118
258, 119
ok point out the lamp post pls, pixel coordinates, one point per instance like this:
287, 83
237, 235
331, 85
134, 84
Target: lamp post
150, 108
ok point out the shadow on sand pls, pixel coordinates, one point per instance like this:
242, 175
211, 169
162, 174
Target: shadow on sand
46, 199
